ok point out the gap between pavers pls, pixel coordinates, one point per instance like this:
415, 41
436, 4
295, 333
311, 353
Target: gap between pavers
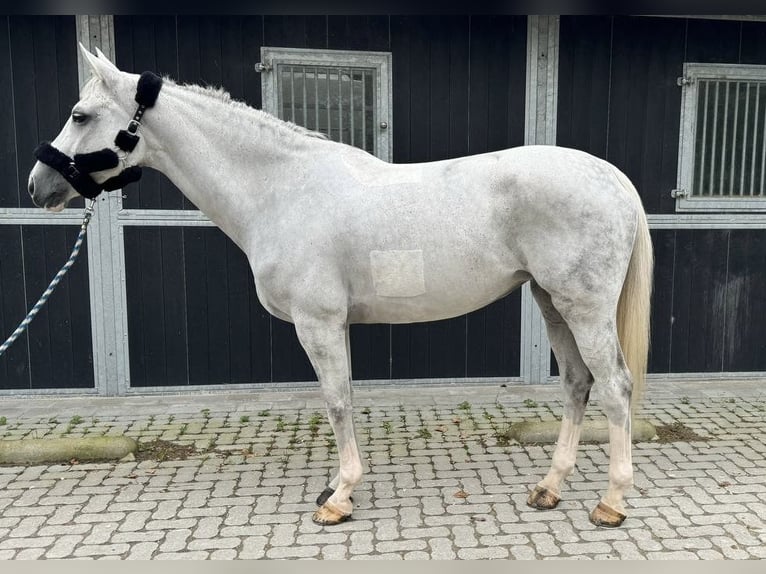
547, 432
51, 450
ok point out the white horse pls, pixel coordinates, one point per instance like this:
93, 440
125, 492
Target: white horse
335, 236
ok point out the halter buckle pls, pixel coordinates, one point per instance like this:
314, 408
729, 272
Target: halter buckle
72, 171
133, 126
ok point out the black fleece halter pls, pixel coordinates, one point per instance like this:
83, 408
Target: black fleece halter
77, 170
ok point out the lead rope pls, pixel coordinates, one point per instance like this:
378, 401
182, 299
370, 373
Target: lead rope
56, 280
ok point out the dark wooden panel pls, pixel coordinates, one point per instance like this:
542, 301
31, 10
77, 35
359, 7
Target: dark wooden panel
400, 73
644, 110
197, 313
753, 43
506, 69
410, 357
156, 306
358, 33
712, 41
479, 86
662, 301
745, 330
252, 40
14, 364
459, 50
60, 345
295, 31
36, 279
583, 96
494, 339
193, 313
146, 307
699, 295
9, 191
25, 99
371, 351
138, 323
173, 295
289, 360
233, 60
217, 307
420, 89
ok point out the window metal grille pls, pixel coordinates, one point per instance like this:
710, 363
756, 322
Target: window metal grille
345, 95
338, 102
722, 156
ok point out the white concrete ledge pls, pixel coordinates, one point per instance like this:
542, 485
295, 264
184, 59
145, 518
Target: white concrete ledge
39, 450
538, 432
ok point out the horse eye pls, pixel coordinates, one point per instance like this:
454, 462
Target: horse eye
79, 117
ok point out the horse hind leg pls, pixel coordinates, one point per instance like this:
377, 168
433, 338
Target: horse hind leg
324, 341
576, 382
598, 342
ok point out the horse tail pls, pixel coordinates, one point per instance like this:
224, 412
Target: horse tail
634, 306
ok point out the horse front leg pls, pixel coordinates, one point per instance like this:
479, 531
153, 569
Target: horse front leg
324, 340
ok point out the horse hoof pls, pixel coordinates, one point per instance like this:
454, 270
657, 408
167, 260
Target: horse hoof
327, 515
604, 515
543, 499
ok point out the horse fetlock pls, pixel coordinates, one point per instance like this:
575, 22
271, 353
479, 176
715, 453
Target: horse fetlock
352, 475
563, 466
340, 502
621, 478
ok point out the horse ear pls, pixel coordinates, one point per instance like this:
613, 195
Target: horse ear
103, 69
103, 57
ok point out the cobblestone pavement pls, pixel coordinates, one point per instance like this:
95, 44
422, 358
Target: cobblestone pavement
441, 482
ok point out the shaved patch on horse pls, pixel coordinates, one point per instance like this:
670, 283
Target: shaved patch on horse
398, 273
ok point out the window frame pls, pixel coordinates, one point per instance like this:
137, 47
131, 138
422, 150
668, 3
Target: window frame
692, 73
380, 62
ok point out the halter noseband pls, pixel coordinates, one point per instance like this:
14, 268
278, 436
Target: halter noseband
77, 170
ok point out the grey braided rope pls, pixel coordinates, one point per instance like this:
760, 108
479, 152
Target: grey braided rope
54, 283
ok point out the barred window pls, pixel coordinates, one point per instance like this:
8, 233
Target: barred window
343, 94
722, 152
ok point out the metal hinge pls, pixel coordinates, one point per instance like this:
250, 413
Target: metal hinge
676, 193
263, 67
683, 81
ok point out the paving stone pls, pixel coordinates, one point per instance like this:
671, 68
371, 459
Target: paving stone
703, 500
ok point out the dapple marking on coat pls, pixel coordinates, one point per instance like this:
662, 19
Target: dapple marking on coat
335, 236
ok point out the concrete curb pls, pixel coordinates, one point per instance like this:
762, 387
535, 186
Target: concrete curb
547, 432
39, 450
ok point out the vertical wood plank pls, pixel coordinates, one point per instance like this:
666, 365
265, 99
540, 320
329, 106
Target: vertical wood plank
14, 364
699, 295
745, 330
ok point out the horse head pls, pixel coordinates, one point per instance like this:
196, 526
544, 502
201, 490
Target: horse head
86, 157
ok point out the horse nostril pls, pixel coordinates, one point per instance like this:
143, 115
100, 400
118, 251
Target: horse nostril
31, 186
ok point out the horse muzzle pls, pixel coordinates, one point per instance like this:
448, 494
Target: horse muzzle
76, 171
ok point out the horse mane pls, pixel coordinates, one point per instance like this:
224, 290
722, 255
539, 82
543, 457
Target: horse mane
223, 96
